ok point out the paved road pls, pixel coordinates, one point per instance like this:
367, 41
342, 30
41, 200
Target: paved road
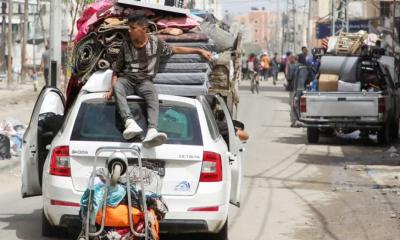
343, 188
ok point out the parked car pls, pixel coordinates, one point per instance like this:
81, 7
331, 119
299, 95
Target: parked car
202, 170
365, 98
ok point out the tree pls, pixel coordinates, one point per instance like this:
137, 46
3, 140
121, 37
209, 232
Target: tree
9, 44
23, 42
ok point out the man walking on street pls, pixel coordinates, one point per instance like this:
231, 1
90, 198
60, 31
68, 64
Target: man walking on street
265, 66
45, 64
253, 68
292, 67
275, 68
302, 57
134, 70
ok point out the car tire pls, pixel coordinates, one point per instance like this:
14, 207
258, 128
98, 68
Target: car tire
384, 134
48, 230
394, 132
312, 135
222, 234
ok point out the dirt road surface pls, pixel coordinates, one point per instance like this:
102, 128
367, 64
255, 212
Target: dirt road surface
340, 189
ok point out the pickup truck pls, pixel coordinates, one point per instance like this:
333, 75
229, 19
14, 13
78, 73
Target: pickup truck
373, 108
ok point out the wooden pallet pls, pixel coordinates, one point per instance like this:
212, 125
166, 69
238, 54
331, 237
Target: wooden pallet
350, 43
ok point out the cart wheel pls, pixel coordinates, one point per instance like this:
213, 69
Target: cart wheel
116, 173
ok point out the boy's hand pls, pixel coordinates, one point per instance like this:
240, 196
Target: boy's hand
108, 95
205, 54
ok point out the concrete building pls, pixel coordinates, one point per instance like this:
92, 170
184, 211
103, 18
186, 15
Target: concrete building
38, 31
258, 27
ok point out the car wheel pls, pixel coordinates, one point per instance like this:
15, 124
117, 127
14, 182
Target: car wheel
394, 133
48, 230
222, 234
312, 135
384, 134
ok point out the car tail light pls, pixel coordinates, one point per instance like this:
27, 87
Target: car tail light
65, 204
204, 209
211, 170
303, 104
381, 105
59, 165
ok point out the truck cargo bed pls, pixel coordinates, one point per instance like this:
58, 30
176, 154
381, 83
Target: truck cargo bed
341, 104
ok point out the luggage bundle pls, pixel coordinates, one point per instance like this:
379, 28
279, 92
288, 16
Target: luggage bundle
102, 28
106, 206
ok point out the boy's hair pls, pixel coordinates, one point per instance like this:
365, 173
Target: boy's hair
138, 17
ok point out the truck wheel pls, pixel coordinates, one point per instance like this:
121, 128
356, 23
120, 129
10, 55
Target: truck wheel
312, 135
394, 132
384, 134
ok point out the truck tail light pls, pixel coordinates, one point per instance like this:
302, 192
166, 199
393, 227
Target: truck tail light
211, 170
303, 104
59, 165
381, 105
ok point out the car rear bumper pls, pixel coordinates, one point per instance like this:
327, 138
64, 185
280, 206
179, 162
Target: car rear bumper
179, 220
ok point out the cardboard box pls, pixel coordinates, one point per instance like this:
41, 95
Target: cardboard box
328, 83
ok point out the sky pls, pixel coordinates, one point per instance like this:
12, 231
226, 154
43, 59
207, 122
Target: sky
243, 6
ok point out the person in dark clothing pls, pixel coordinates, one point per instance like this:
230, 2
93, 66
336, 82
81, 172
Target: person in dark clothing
45, 64
275, 68
302, 57
134, 70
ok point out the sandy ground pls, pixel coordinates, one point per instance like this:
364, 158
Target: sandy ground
343, 188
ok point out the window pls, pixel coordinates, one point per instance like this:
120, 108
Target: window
97, 121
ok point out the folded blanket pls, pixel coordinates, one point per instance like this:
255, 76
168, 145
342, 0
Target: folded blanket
184, 68
181, 78
182, 90
186, 37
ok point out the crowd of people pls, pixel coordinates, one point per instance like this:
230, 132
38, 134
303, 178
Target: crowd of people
261, 68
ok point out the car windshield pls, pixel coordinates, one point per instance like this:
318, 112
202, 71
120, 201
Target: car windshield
97, 121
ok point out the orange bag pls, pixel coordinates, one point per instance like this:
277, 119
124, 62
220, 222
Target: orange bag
118, 216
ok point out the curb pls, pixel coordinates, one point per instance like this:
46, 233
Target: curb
9, 164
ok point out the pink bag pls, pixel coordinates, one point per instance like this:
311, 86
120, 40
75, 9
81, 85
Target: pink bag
184, 23
92, 13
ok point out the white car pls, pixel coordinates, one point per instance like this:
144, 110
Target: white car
202, 170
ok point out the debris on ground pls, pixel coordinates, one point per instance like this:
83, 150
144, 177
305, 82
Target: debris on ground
11, 134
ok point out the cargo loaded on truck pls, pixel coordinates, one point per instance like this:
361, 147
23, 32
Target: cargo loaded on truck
354, 92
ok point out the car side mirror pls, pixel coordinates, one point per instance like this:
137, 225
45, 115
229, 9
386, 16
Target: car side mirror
238, 124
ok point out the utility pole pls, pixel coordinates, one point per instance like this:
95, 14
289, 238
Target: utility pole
23, 42
394, 27
55, 36
9, 44
340, 16
310, 16
3, 36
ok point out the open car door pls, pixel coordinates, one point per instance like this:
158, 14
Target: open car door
49, 107
235, 155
